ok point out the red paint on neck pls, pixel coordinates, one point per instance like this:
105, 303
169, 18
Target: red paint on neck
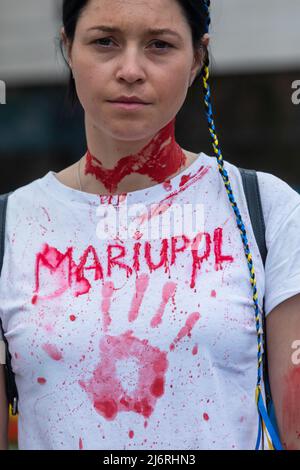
161, 158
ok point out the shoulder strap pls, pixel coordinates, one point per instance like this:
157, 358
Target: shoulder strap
11, 388
251, 189
252, 193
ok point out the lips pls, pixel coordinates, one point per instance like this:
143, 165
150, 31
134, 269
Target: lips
129, 99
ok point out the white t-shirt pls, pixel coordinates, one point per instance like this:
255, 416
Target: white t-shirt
141, 342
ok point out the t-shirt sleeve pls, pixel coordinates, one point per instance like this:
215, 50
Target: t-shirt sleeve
281, 207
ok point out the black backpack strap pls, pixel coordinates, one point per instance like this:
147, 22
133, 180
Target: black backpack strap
251, 189
252, 193
11, 388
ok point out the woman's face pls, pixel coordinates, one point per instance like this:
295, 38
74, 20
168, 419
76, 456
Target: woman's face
156, 67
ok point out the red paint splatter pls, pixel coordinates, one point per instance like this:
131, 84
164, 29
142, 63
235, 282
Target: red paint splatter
205, 416
105, 389
141, 285
167, 185
131, 434
159, 159
195, 350
137, 235
198, 260
182, 248
41, 380
164, 204
107, 292
184, 179
72, 317
219, 258
186, 330
80, 444
167, 292
52, 351
145, 424
95, 266
55, 272
113, 260
213, 293
47, 214
115, 199
163, 256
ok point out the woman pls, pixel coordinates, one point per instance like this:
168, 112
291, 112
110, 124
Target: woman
127, 337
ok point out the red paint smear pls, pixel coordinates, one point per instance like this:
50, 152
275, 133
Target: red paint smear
105, 389
213, 293
52, 351
205, 416
107, 292
186, 330
290, 412
198, 260
219, 258
141, 285
47, 214
131, 434
167, 185
195, 350
184, 179
174, 249
41, 380
137, 235
112, 260
167, 292
115, 199
145, 424
136, 254
159, 159
163, 256
56, 268
80, 444
164, 204
96, 266
72, 317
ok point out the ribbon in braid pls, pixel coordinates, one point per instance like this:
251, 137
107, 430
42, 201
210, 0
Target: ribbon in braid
265, 426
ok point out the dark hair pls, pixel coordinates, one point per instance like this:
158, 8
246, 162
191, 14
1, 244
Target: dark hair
195, 11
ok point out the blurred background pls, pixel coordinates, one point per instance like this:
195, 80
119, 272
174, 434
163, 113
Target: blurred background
255, 59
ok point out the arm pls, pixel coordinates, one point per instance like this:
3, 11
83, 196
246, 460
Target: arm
283, 345
3, 412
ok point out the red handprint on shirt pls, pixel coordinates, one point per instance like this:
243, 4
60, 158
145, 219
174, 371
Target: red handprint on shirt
104, 388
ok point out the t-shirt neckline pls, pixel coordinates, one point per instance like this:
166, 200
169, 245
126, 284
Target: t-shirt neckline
62, 191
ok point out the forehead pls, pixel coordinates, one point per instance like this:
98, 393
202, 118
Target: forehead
137, 14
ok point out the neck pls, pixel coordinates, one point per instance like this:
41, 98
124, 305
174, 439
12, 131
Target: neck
156, 162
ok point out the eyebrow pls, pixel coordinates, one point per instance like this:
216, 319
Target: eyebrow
150, 31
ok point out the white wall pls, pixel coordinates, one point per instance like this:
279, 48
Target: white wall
27, 41
255, 34
247, 35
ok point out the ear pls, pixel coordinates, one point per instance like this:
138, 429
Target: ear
66, 44
199, 56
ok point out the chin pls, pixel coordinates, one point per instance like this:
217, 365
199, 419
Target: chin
131, 132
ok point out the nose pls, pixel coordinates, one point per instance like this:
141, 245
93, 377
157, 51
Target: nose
131, 66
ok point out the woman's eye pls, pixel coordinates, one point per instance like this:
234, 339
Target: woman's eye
103, 39
163, 43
